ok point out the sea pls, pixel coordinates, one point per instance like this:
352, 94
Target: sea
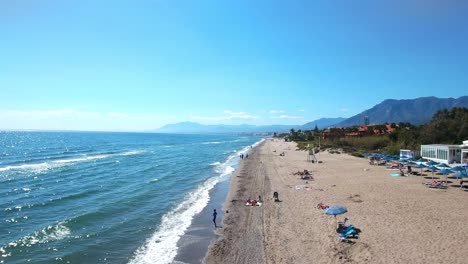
95, 197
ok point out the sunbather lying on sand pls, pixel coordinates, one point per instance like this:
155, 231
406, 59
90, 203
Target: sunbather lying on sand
435, 184
305, 172
322, 206
252, 203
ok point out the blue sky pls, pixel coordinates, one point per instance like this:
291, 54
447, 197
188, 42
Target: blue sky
137, 65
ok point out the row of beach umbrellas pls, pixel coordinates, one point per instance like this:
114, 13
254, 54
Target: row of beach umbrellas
460, 171
443, 168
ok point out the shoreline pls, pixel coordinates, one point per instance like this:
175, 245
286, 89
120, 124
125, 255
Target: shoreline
194, 244
399, 217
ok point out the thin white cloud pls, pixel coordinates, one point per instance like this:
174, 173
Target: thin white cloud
344, 109
276, 111
228, 115
113, 114
48, 113
288, 117
70, 119
301, 110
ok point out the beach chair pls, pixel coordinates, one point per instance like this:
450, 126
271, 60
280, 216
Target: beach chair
345, 229
351, 232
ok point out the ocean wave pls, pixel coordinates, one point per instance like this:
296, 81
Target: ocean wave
45, 235
153, 180
162, 246
40, 167
213, 142
215, 163
131, 153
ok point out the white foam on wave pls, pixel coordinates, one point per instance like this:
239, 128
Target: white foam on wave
94, 157
131, 153
40, 167
215, 163
161, 247
213, 142
45, 235
37, 166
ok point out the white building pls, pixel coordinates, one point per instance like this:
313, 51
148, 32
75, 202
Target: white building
447, 154
464, 152
408, 154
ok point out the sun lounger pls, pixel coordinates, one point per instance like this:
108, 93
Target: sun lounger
345, 229
350, 233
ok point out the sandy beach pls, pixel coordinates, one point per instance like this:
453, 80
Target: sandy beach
401, 220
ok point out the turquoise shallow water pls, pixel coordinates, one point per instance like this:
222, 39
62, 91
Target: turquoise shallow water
80, 197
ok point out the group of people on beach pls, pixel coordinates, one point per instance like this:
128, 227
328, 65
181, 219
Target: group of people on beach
242, 156
305, 175
249, 202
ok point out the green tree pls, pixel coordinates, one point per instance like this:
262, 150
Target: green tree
316, 130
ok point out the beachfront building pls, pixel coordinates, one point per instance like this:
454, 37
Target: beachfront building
464, 152
447, 154
408, 154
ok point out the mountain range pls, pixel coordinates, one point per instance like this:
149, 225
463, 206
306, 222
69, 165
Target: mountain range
192, 127
415, 111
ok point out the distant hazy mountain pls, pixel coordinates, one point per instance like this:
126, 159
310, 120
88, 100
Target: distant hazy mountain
192, 127
415, 111
322, 123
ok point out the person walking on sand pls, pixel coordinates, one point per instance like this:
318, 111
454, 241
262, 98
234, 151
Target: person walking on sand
214, 218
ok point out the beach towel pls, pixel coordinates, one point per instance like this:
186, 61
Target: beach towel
256, 204
398, 175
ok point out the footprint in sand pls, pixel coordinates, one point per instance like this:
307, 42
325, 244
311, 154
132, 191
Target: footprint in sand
355, 198
357, 252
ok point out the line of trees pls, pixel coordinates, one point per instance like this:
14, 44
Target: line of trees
446, 127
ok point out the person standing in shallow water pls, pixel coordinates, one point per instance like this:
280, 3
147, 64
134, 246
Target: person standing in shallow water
214, 217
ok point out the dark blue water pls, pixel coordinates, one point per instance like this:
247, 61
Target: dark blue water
78, 197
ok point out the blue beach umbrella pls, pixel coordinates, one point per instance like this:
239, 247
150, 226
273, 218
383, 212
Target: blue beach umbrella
442, 165
460, 175
420, 160
458, 168
432, 163
445, 172
433, 169
421, 166
336, 210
